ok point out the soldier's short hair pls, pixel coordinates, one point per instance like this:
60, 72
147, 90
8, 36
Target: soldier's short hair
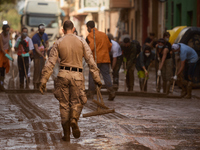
68, 25
5, 26
90, 24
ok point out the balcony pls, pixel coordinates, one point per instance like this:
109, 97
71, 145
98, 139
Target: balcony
89, 6
120, 3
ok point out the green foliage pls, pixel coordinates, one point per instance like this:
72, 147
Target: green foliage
9, 13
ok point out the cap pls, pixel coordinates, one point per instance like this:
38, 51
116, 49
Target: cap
175, 46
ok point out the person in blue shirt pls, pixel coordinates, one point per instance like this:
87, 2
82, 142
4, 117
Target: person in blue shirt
143, 62
41, 44
189, 58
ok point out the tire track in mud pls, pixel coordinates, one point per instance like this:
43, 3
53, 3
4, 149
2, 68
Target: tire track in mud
115, 115
44, 137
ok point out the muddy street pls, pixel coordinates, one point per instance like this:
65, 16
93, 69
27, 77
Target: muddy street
32, 121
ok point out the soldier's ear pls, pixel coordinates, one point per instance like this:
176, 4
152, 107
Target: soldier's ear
73, 29
63, 31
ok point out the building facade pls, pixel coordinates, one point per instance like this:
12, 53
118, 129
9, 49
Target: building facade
137, 17
182, 13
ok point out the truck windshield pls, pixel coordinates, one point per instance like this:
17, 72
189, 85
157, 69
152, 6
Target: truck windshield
50, 22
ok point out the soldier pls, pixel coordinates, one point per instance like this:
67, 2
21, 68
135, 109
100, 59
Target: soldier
69, 88
130, 53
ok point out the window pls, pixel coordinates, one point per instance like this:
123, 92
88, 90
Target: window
50, 22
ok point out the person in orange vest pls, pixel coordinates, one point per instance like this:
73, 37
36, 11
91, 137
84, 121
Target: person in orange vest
103, 47
5, 45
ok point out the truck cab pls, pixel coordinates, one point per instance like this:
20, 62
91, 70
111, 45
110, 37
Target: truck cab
42, 11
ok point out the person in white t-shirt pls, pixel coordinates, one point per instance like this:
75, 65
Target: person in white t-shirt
116, 62
24, 47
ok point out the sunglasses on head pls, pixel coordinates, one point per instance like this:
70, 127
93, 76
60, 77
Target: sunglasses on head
42, 27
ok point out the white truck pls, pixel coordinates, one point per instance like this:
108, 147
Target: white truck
42, 11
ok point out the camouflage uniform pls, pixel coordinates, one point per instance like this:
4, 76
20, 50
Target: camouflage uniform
70, 88
130, 55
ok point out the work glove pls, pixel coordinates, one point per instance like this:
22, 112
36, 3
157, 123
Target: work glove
42, 87
159, 73
17, 45
10, 58
25, 55
175, 77
10, 43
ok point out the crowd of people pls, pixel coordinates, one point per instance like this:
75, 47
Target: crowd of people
102, 53
110, 55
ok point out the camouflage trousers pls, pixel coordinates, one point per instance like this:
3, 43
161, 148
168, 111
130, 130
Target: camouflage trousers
70, 92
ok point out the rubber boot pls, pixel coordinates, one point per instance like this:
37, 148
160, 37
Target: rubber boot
184, 88
75, 114
145, 87
35, 86
158, 86
130, 88
27, 84
21, 85
168, 87
164, 86
189, 90
1, 83
115, 87
141, 81
111, 94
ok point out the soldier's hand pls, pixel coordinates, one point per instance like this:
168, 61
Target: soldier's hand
42, 88
99, 84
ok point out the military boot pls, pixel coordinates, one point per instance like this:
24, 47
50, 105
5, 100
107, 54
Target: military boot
75, 114
111, 94
184, 90
90, 94
164, 86
189, 90
66, 131
141, 81
66, 128
168, 87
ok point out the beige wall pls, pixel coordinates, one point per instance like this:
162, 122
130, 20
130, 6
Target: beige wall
132, 23
114, 15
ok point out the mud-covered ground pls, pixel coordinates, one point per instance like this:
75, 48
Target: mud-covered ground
32, 121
